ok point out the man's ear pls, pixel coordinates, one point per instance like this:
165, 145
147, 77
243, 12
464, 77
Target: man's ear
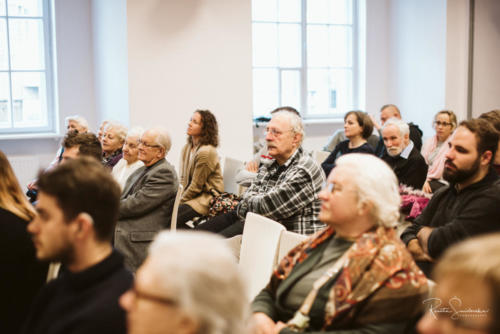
297, 137
85, 224
486, 158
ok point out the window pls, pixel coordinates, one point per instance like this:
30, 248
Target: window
26, 90
304, 55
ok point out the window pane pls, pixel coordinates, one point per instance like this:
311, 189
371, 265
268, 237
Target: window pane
4, 52
25, 7
265, 44
289, 45
329, 92
2, 8
26, 41
317, 46
290, 89
329, 11
4, 101
265, 10
265, 91
340, 46
289, 10
29, 104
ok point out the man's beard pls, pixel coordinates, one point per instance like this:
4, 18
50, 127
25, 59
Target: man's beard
395, 151
460, 175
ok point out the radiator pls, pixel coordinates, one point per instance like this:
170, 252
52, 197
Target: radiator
25, 168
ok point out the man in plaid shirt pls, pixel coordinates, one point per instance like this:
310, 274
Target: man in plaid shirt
286, 187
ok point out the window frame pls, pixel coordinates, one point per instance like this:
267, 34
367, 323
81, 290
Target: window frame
303, 69
49, 71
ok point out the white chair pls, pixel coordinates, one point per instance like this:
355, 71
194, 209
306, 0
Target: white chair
259, 248
178, 196
231, 168
320, 156
288, 240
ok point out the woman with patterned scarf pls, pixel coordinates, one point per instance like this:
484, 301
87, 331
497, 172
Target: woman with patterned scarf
355, 276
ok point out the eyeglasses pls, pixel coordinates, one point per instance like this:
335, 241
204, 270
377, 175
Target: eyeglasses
158, 299
332, 187
438, 123
275, 132
147, 145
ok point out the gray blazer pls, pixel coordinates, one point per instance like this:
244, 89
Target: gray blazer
145, 208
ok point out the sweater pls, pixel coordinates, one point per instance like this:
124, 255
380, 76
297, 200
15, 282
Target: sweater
83, 302
341, 149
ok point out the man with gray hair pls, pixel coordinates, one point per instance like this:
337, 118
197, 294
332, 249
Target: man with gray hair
286, 187
147, 199
402, 155
190, 283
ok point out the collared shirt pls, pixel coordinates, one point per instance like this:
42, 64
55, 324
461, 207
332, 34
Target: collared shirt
405, 153
287, 193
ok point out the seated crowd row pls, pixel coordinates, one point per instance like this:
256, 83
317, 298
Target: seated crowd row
354, 275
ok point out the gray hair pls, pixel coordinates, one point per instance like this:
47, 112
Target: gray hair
377, 184
162, 138
294, 120
403, 127
78, 119
136, 131
120, 130
203, 273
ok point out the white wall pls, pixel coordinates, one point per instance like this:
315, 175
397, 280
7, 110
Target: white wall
109, 36
187, 55
486, 83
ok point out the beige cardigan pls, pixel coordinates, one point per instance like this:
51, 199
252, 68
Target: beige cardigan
199, 175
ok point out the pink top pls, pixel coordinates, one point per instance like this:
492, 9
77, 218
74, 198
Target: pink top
436, 168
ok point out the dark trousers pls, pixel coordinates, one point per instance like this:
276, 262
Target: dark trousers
227, 225
185, 214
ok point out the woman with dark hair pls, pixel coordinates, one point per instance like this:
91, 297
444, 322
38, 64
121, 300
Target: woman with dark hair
435, 149
22, 275
357, 127
200, 168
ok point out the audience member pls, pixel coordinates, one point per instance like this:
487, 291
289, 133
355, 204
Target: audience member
77, 211
355, 276
493, 117
189, 284
21, 274
201, 174
391, 111
435, 149
357, 128
112, 143
286, 188
402, 155
130, 161
102, 129
246, 175
469, 206
466, 298
147, 200
81, 144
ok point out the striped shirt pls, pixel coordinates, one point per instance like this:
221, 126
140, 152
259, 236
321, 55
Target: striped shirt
287, 193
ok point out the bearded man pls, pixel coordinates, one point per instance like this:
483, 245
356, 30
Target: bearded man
402, 155
469, 205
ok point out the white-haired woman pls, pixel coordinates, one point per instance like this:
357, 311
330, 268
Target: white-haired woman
112, 143
356, 274
182, 293
130, 160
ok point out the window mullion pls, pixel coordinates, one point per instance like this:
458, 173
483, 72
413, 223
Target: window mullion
303, 69
7, 30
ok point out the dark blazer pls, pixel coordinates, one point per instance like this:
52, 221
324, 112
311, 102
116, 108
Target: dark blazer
145, 208
412, 171
21, 275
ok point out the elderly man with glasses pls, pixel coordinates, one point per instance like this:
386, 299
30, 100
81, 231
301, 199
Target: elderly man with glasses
286, 187
147, 199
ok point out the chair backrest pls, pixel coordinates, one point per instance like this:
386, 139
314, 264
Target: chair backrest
288, 240
259, 248
231, 168
320, 156
178, 196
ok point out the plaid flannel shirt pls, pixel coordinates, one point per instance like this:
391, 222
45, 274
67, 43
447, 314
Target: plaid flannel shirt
287, 193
